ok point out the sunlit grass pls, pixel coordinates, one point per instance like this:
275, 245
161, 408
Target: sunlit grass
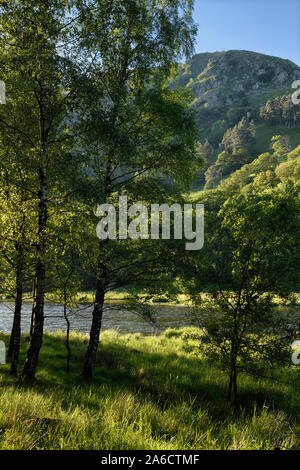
115, 296
148, 393
88, 297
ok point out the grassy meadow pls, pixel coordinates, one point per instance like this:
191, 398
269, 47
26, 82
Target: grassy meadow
147, 393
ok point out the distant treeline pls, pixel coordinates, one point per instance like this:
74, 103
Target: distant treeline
281, 111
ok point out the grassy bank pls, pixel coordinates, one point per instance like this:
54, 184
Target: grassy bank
148, 393
88, 297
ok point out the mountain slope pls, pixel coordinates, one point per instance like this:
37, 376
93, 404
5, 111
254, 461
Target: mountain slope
229, 85
223, 79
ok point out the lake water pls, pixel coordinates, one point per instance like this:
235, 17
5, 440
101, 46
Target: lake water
115, 317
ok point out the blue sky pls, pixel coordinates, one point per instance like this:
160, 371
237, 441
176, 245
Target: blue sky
267, 26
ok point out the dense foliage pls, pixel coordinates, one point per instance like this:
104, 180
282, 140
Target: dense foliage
97, 109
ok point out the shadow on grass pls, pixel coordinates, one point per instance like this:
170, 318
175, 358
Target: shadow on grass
164, 378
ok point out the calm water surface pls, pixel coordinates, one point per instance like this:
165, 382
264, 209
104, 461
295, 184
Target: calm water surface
114, 318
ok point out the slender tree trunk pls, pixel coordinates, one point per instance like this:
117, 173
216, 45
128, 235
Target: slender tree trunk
230, 387
232, 393
67, 334
37, 327
29, 369
102, 275
235, 393
233, 366
68, 346
15, 337
32, 311
91, 353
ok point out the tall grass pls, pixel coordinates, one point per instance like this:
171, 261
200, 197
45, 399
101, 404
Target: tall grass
148, 393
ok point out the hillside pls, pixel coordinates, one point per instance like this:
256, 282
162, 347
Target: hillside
230, 80
224, 79
231, 84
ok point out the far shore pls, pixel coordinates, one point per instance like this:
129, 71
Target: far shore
123, 297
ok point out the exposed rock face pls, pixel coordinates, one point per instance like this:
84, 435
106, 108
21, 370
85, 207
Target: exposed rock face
224, 78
